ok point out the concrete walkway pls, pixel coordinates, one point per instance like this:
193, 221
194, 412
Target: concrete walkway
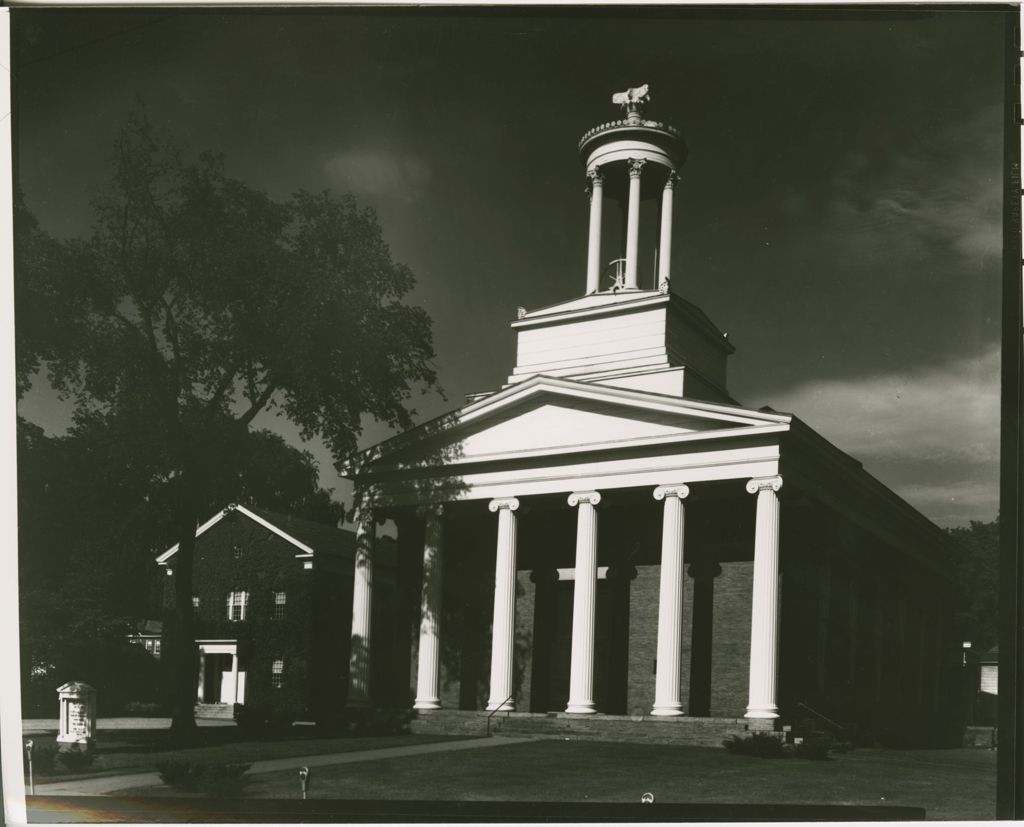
42, 726
110, 783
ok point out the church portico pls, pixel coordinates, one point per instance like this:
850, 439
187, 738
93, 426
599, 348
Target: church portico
609, 535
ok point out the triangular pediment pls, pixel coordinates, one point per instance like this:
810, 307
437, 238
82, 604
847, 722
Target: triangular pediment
545, 415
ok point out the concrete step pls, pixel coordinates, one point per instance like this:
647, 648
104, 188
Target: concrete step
216, 711
691, 731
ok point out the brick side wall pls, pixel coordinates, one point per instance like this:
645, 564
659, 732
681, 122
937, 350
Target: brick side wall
522, 675
240, 555
730, 647
643, 639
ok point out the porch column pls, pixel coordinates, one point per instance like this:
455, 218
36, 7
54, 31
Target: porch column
202, 675
764, 614
428, 672
362, 604
633, 222
670, 601
234, 676
594, 242
581, 668
665, 242
503, 627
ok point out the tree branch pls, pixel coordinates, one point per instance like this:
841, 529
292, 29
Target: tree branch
257, 405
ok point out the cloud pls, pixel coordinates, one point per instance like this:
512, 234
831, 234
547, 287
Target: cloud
932, 434
900, 194
379, 172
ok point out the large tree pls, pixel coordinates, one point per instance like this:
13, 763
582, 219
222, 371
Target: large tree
197, 303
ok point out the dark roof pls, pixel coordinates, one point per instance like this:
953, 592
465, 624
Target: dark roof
320, 537
149, 627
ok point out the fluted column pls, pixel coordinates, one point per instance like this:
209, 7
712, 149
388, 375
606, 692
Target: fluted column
764, 615
633, 222
594, 245
581, 669
503, 627
362, 605
428, 672
665, 241
670, 601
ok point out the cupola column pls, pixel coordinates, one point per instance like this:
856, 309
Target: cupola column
665, 243
503, 627
633, 222
428, 672
594, 247
670, 602
584, 601
362, 605
764, 613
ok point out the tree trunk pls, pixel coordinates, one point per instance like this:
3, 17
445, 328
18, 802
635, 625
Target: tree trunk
181, 638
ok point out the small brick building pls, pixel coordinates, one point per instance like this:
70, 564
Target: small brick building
273, 602
610, 534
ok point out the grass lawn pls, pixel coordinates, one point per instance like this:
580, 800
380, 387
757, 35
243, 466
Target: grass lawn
124, 751
949, 784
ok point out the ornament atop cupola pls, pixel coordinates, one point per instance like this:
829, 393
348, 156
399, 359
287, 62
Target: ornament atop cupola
629, 328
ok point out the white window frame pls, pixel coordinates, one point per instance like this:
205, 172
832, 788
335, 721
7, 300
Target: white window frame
277, 673
238, 599
280, 604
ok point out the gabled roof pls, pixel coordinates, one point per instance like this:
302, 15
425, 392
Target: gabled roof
587, 407
307, 537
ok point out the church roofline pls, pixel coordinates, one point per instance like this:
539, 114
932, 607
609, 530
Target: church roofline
513, 394
305, 551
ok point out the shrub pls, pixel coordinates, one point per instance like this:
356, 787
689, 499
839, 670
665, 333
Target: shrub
144, 708
757, 745
262, 720
212, 779
380, 722
76, 760
44, 756
813, 748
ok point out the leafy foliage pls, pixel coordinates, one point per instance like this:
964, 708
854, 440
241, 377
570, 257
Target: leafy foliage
978, 575
196, 304
756, 745
212, 779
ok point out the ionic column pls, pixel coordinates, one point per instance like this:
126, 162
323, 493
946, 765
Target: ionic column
581, 669
764, 614
428, 671
362, 603
633, 222
503, 627
594, 246
665, 242
670, 601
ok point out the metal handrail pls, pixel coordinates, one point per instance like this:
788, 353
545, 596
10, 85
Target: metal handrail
497, 709
825, 718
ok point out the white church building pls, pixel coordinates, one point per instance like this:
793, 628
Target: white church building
610, 537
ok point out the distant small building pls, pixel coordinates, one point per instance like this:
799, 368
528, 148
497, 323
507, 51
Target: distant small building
149, 635
272, 597
988, 678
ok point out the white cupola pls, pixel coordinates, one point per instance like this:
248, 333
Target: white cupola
629, 329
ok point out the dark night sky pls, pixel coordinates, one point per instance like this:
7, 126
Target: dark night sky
839, 214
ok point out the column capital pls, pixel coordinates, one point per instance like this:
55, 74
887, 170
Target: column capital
589, 497
759, 484
511, 503
636, 165
431, 510
681, 491
595, 176
672, 179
